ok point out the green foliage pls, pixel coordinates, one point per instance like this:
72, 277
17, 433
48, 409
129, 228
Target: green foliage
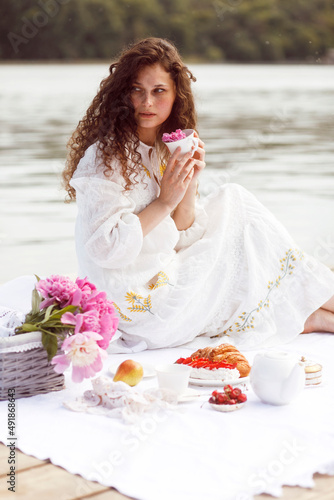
235, 30
47, 321
50, 344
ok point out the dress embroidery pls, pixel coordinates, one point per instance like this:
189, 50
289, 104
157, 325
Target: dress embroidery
146, 170
162, 168
138, 303
249, 318
161, 281
123, 316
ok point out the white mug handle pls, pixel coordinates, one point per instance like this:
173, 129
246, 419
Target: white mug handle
195, 143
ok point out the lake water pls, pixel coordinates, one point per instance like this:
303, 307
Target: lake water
267, 127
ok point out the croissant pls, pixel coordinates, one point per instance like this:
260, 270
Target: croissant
202, 353
222, 349
240, 360
227, 353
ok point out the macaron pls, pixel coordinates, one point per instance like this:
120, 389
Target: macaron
313, 371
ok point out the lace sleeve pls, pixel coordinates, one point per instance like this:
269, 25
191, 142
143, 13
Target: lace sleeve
107, 226
188, 236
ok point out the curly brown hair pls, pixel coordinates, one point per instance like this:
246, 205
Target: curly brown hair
109, 120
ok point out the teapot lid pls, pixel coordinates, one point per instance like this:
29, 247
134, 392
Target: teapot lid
278, 355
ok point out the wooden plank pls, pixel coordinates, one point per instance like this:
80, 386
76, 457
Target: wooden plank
3, 459
50, 482
110, 495
323, 488
22, 461
27, 461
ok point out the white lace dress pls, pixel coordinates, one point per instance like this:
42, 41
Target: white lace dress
236, 271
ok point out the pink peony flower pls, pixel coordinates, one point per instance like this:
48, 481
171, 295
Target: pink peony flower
108, 324
86, 288
174, 136
105, 325
88, 321
58, 290
100, 303
83, 352
108, 319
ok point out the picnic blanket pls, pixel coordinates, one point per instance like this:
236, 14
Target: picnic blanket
189, 451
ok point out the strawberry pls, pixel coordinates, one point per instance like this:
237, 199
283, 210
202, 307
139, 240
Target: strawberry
230, 396
222, 399
235, 393
228, 389
242, 398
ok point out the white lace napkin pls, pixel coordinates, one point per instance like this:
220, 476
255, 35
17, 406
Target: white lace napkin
119, 400
15, 303
9, 320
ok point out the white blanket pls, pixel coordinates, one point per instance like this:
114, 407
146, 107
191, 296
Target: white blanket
194, 452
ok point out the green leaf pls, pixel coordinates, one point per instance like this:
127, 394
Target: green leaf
37, 277
35, 301
50, 343
58, 314
48, 313
52, 323
27, 327
34, 318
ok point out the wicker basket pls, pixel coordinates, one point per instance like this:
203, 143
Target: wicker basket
24, 367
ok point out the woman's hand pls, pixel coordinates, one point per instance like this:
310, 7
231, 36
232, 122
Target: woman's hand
199, 165
174, 184
177, 191
176, 179
199, 157
184, 214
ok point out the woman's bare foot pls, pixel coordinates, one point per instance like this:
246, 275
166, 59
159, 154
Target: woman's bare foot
321, 320
329, 305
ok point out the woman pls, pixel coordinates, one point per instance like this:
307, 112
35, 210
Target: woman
176, 267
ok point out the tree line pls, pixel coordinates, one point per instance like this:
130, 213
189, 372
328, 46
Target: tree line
217, 30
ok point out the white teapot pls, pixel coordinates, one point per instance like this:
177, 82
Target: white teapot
277, 377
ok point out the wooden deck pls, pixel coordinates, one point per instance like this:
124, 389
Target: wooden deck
41, 480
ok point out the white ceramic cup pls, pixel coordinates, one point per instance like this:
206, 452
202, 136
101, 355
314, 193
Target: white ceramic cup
173, 377
185, 144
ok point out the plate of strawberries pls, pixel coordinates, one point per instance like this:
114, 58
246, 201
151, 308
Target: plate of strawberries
232, 398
